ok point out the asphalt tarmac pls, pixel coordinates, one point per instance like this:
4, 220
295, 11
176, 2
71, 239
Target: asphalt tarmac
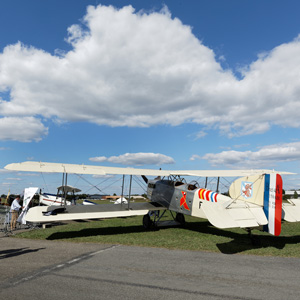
32, 269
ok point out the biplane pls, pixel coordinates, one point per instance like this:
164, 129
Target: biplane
254, 200
60, 198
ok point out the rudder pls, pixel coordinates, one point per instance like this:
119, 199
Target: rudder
273, 203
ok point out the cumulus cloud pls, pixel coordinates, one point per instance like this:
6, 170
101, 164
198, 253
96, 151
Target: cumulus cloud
265, 157
124, 70
137, 159
24, 129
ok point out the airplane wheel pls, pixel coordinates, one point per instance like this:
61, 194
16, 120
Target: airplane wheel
147, 222
180, 218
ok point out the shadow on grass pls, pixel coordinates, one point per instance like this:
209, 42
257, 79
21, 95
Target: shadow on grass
239, 244
241, 241
90, 232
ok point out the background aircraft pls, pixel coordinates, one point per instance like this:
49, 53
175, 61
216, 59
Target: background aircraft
60, 197
254, 200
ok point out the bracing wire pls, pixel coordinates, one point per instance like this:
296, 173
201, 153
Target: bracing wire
45, 182
140, 183
94, 186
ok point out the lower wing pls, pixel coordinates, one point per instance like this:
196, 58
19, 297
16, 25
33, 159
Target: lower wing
44, 214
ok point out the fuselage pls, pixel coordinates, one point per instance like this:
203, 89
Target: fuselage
50, 199
182, 197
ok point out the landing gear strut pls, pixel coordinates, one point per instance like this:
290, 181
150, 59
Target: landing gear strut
153, 219
254, 240
156, 215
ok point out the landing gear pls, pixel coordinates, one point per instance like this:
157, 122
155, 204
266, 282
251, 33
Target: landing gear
153, 219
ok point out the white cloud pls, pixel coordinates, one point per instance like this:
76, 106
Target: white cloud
137, 159
265, 157
195, 157
123, 70
5, 171
8, 183
24, 129
200, 134
98, 159
103, 176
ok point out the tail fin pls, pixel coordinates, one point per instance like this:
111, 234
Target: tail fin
263, 190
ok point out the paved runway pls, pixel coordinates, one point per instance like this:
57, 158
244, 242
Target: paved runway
31, 269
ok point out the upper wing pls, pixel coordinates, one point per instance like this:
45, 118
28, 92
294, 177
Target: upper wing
33, 166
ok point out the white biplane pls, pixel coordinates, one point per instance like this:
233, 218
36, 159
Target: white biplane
60, 198
254, 200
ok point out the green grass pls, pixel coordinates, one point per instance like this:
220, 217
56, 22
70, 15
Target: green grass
197, 235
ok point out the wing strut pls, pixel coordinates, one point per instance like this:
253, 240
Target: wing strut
129, 192
218, 185
64, 184
122, 188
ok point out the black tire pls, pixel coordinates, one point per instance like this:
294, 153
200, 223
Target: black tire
147, 222
180, 218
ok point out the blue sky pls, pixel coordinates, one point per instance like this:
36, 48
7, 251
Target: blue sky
170, 84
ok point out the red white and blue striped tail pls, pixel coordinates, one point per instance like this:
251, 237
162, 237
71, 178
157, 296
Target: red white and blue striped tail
273, 203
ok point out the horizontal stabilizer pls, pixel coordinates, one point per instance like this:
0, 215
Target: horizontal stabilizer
291, 210
43, 214
237, 214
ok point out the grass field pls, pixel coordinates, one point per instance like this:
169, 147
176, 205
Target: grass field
196, 235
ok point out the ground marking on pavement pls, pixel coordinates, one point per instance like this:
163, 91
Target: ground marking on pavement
73, 261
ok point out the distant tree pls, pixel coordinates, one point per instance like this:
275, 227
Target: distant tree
295, 195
